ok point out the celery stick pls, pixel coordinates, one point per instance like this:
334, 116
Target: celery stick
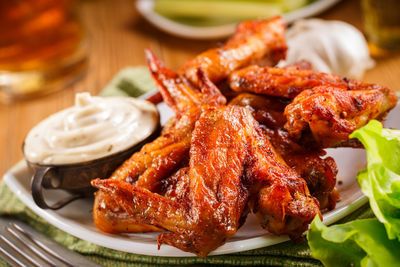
204, 22
206, 9
290, 5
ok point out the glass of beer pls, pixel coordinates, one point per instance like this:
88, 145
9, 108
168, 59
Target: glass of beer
382, 24
42, 48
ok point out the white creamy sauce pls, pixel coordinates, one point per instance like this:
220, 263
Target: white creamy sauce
331, 46
94, 128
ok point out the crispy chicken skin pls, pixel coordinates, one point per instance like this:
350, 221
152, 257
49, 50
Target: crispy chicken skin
252, 42
229, 158
288, 82
331, 114
318, 171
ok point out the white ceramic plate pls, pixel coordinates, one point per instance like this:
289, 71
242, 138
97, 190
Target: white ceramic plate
145, 7
76, 218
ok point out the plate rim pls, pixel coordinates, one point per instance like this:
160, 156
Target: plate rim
145, 8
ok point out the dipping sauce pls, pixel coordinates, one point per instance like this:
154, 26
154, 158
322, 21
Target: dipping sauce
94, 128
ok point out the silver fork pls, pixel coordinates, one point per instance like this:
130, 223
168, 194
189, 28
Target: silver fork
21, 245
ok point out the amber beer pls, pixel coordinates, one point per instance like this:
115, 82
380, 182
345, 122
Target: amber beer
40, 45
382, 23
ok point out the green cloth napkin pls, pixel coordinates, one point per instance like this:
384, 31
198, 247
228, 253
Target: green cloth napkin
130, 81
136, 80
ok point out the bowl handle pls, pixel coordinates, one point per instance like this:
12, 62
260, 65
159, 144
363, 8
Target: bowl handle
37, 194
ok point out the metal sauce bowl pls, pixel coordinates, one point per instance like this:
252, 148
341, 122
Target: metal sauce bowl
75, 178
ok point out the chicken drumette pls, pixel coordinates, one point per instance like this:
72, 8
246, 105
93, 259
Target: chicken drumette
331, 114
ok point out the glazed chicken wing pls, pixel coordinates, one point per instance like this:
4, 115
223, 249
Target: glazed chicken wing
332, 114
176, 91
318, 171
252, 42
328, 106
111, 217
288, 82
159, 159
229, 159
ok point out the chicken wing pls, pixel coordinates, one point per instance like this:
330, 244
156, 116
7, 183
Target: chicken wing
253, 41
318, 171
110, 217
159, 159
331, 114
229, 158
288, 82
176, 91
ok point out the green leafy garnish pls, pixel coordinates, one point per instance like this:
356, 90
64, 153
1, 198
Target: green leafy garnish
130, 81
380, 181
367, 242
357, 243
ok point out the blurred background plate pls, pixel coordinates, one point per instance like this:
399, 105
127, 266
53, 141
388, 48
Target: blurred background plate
188, 30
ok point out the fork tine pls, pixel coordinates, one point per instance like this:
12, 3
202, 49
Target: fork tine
10, 247
25, 235
28, 244
11, 259
10, 256
45, 252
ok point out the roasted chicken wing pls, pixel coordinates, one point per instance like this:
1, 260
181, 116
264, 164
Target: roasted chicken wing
331, 114
289, 82
252, 42
309, 162
159, 159
110, 217
328, 105
229, 159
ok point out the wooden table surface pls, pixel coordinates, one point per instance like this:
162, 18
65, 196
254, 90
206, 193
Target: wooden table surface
117, 36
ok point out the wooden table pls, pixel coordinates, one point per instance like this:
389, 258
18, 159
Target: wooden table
117, 37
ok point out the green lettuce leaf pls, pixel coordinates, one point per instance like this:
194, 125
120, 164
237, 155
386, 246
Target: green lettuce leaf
380, 181
357, 243
368, 242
